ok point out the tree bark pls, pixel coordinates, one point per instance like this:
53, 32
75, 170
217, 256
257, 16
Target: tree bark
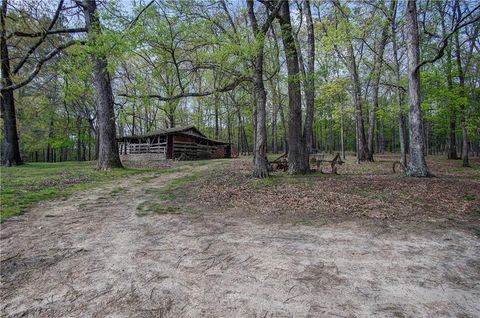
217, 111
11, 151
260, 169
417, 166
309, 83
296, 142
342, 137
171, 120
452, 148
381, 137
400, 93
284, 123
108, 156
275, 103
79, 142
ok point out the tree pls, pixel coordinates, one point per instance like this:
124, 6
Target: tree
377, 67
309, 82
297, 160
108, 156
417, 165
400, 91
25, 57
342, 71
260, 169
11, 152
461, 77
452, 147
351, 63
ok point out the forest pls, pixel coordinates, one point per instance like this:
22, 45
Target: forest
326, 76
240, 158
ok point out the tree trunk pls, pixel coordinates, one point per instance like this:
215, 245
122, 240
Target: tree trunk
465, 162
452, 148
377, 66
133, 119
260, 164
296, 143
461, 77
357, 102
108, 156
241, 131
275, 103
417, 166
229, 127
217, 125
284, 122
400, 94
351, 64
171, 120
79, 148
381, 138
342, 138
11, 151
309, 85
402, 133
260, 169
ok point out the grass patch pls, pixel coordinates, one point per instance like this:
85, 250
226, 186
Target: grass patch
176, 188
159, 173
165, 199
470, 197
118, 190
157, 208
271, 181
25, 185
279, 178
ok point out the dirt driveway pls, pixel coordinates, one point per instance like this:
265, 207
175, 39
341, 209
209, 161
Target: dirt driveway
94, 255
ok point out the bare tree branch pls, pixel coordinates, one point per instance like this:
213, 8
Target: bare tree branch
41, 40
48, 32
39, 65
223, 89
444, 42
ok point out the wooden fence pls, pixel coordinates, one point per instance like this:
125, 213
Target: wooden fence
192, 150
146, 148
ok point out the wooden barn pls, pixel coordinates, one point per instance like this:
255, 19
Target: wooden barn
182, 143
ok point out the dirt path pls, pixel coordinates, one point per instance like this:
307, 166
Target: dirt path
92, 255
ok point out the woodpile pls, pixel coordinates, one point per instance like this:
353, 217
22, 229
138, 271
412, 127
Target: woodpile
280, 163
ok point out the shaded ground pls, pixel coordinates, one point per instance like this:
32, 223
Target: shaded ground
140, 247
370, 191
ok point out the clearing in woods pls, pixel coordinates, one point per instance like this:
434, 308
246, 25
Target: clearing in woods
207, 240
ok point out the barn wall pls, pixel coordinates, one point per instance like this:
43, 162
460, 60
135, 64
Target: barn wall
220, 152
184, 138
